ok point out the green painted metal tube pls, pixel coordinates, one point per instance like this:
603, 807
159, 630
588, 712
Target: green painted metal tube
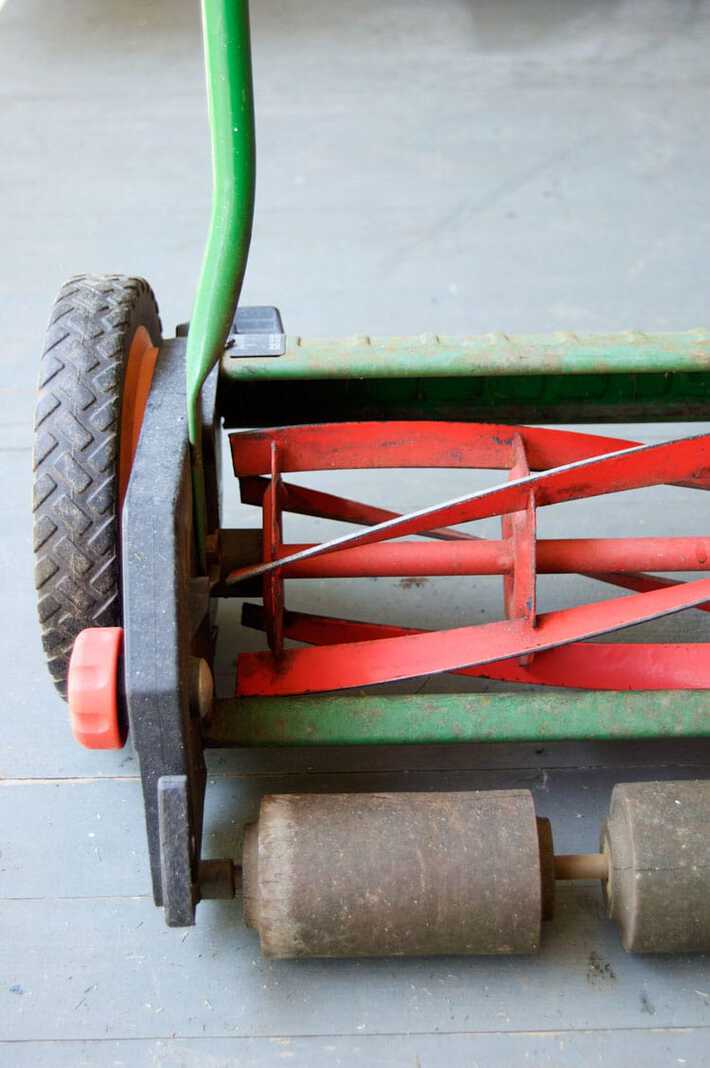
532, 716
225, 27
433, 356
231, 114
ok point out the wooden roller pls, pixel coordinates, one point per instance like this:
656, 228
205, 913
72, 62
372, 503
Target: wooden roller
406, 874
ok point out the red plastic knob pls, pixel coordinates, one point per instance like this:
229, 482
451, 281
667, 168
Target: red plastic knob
92, 688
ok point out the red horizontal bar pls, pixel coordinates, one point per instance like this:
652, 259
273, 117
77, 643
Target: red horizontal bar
495, 557
580, 665
367, 663
304, 501
392, 559
351, 446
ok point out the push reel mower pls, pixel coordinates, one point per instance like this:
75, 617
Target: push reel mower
132, 560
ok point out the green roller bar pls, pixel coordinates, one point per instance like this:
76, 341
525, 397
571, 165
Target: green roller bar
430, 719
435, 356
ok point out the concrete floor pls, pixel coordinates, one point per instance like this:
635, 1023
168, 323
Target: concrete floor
458, 166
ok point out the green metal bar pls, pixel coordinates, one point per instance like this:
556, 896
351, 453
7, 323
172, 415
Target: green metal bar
531, 716
433, 356
231, 116
543, 398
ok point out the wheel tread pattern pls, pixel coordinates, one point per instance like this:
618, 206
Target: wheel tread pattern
75, 528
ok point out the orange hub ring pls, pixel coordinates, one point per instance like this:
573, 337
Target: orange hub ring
137, 380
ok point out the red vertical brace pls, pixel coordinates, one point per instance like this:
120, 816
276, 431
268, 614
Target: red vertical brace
273, 538
520, 529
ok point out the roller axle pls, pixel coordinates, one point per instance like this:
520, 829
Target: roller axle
496, 557
571, 866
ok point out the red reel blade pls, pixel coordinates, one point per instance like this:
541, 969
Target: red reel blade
411, 443
368, 663
580, 665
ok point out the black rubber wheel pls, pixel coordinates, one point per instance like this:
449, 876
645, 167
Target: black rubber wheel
76, 451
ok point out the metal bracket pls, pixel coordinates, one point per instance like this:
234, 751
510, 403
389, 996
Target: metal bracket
256, 331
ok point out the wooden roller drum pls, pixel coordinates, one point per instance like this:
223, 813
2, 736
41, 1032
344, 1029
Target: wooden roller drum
407, 874
400, 874
657, 839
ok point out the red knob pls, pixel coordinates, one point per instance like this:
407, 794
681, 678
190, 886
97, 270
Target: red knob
92, 688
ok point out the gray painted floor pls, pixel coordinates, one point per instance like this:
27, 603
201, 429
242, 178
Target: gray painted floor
459, 166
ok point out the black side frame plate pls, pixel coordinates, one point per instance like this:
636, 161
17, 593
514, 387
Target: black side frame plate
157, 560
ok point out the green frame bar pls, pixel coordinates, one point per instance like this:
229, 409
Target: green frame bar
434, 356
556, 378
528, 716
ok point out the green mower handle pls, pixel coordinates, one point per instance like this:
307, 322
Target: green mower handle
230, 99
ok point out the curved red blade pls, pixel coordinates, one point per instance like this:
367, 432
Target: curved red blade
411, 443
580, 665
367, 663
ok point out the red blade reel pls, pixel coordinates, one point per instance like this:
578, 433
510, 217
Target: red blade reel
573, 466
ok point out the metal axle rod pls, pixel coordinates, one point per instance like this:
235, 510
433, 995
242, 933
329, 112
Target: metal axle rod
571, 866
496, 557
